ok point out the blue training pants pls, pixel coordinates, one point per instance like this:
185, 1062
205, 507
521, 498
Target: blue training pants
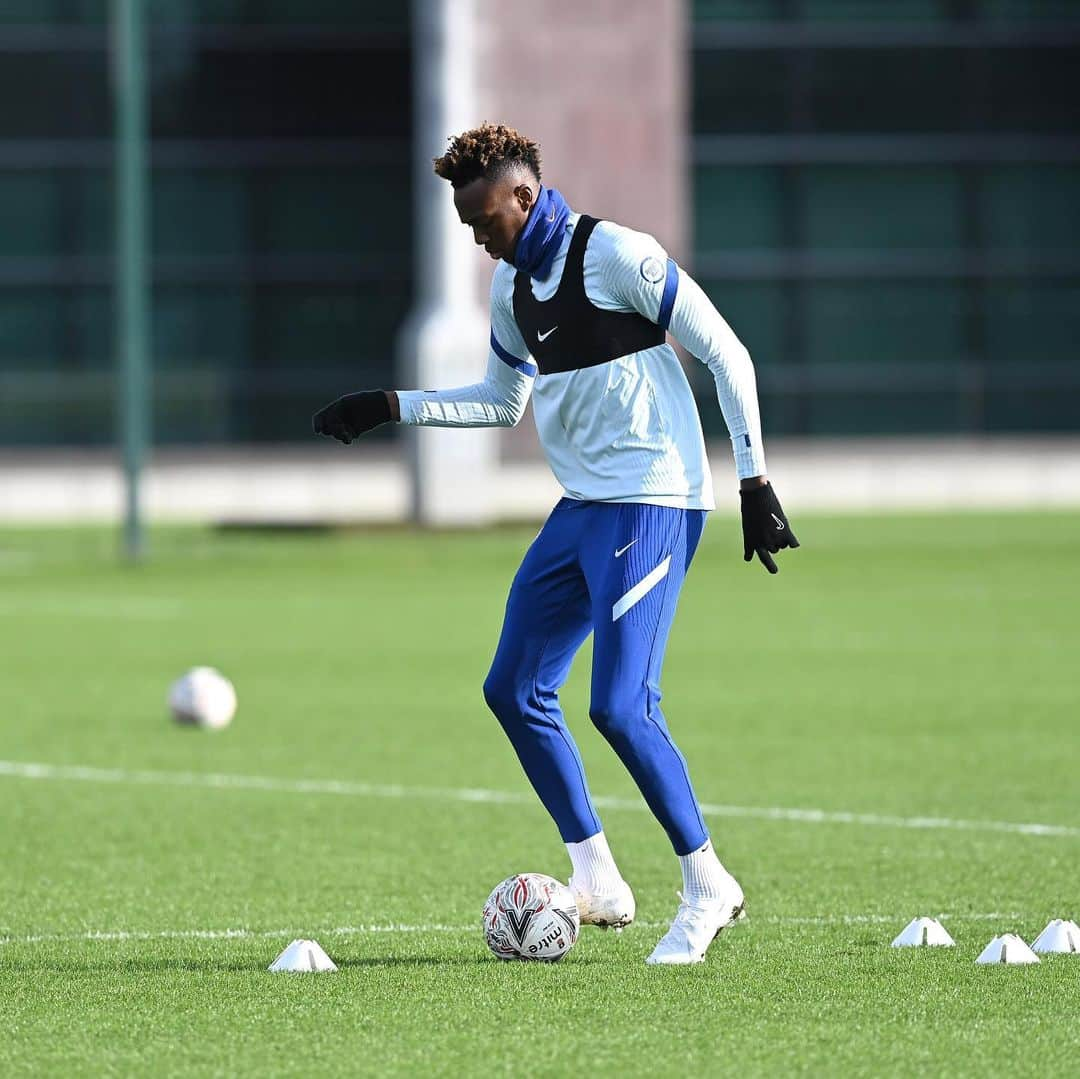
615, 570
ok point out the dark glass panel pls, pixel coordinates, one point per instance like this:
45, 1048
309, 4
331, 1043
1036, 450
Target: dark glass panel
1029, 10
901, 322
755, 311
197, 327
37, 12
1035, 207
201, 212
305, 94
46, 212
364, 211
876, 90
867, 207
316, 326
56, 385
902, 412
1030, 408
1033, 90
1033, 322
881, 90
737, 9
202, 341
737, 207
32, 323
54, 95
54, 328
384, 14
740, 91
89, 328
874, 10
29, 213
88, 221
368, 14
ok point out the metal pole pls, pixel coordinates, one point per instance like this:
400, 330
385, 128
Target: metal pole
445, 341
444, 58
132, 289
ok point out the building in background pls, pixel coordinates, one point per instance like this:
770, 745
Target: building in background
281, 216
881, 197
885, 204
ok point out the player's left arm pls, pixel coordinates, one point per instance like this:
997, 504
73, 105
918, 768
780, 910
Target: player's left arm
640, 273
498, 400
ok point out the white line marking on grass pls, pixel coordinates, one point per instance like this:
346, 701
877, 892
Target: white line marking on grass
887, 919
113, 935
220, 781
94, 936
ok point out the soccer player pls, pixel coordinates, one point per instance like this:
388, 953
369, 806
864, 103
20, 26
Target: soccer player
579, 313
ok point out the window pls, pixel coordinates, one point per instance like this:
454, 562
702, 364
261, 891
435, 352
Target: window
885, 208
281, 213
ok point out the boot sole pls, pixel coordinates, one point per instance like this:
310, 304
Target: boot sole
619, 923
618, 926
737, 915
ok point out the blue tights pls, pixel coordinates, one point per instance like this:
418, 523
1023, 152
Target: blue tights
613, 569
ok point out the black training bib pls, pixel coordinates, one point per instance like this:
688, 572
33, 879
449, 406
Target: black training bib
567, 332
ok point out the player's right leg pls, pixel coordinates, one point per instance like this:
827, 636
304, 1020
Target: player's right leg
548, 616
635, 559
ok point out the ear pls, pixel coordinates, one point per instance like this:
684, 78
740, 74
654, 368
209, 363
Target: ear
525, 197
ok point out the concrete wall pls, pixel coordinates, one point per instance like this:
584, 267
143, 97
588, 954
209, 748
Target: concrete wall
319, 483
608, 108
602, 85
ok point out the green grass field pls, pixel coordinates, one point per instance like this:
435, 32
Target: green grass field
897, 668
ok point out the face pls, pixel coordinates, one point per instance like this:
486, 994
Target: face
496, 211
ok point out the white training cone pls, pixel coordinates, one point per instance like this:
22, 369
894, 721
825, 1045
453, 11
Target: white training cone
1008, 948
303, 956
923, 933
1058, 936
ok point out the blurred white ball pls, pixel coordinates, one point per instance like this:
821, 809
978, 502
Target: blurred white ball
203, 697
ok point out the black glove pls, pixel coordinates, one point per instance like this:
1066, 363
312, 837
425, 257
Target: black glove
765, 529
350, 416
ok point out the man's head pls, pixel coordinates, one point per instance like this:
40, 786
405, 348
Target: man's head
495, 173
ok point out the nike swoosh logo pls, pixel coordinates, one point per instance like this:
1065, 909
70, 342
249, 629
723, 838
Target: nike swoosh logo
779, 523
544, 336
552, 217
622, 550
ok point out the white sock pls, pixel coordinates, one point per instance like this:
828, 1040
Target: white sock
595, 870
704, 878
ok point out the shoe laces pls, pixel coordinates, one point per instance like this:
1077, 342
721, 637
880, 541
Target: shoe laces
688, 918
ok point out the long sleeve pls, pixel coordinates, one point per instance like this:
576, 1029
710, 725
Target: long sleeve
638, 271
499, 400
702, 331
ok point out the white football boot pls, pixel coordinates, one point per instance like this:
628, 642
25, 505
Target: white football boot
612, 910
697, 925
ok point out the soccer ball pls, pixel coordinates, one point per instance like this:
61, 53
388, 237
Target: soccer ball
531, 916
203, 697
